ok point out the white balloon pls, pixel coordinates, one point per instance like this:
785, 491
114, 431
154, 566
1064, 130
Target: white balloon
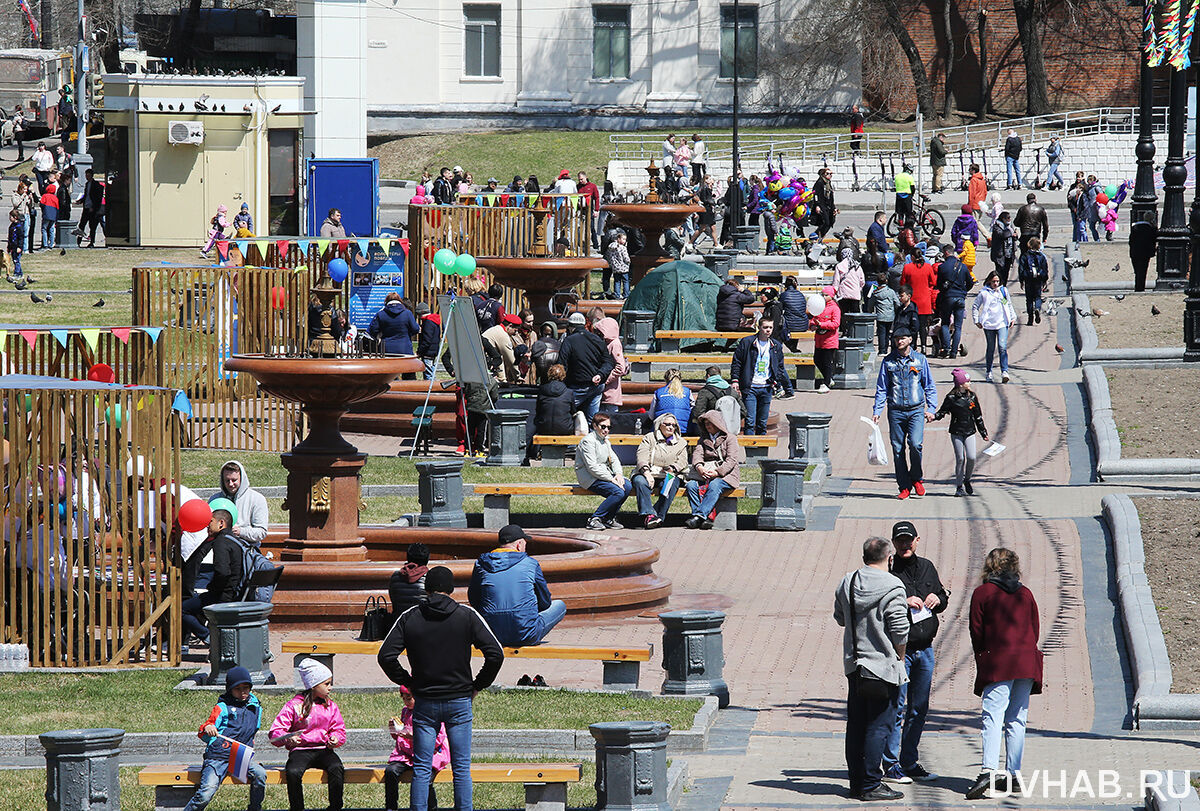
816, 303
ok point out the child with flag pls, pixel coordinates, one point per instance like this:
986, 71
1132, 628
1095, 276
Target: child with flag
229, 732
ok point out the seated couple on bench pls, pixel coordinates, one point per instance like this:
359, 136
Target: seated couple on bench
661, 460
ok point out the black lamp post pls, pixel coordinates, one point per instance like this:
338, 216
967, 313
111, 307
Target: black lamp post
1191, 303
736, 198
1173, 235
1144, 207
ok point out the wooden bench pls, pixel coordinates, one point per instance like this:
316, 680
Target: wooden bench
554, 448
622, 666
545, 783
496, 499
640, 365
668, 339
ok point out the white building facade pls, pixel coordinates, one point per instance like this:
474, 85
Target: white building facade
607, 64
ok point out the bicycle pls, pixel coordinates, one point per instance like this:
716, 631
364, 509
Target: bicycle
930, 221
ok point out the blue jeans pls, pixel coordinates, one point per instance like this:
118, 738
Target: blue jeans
883, 332
429, 364
49, 232
428, 716
1052, 173
1093, 222
994, 336
907, 427
614, 497
867, 726
587, 400
645, 496
912, 706
621, 285
702, 508
548, 618
1013, 168
1078, 229
211, 775
955, 309
1005, 708
758, 408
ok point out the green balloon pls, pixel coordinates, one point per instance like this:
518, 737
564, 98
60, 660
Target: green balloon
113, 415
1111, 190
224, 504
443, 260
464, 265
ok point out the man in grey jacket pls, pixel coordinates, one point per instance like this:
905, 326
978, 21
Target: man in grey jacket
250, 524
870, 604
598, 469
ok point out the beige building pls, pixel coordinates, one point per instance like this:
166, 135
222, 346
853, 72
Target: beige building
179, 146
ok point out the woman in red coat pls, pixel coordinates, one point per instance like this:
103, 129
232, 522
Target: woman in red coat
921, 275
825, 343
1008, 667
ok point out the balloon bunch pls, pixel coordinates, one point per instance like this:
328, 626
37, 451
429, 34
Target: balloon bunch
790, 196
447, 262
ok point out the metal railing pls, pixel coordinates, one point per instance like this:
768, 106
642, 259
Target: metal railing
757, 147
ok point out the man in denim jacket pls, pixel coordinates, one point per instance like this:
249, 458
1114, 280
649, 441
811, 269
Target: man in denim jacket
906, 385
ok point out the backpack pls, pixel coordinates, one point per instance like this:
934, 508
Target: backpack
731, 412
487, 312
255, 561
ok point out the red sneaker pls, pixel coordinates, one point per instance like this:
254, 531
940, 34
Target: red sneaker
903, 494
919, 487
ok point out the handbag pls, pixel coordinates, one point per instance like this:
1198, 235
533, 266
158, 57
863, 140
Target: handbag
867, 686
377, 620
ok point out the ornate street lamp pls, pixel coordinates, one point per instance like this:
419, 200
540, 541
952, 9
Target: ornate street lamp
1144, 207
1173, 234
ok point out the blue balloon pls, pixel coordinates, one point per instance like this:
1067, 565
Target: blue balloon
891, 258
338, 270
787, 194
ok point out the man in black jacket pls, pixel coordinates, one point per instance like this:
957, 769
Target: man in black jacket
756, 370
228, 574
927, 598
955, 282
1031, 221
731, 298
437, 637
93, 209
588, 363
407, 586
443, 189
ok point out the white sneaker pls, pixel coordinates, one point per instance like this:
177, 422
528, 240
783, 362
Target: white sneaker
988, 377
823, 389
1004, 377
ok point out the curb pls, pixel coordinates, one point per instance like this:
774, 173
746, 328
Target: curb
1173, 792
1087, 341
677, 774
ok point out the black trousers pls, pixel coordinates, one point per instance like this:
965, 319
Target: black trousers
299, 761
824, 359
391, 786
90, 219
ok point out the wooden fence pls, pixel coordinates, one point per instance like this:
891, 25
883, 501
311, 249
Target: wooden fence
89, 574
525, 228
70, 352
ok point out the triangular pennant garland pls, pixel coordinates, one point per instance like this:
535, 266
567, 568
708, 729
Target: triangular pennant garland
153, 332
92, 336
223, 250
182, 404
322, 244
30, 336
62, 336
242, 245
122, 334
262, 245
386, 244
284, 245
302, 244
363, 245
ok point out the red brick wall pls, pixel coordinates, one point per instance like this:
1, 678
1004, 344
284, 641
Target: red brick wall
1091, 53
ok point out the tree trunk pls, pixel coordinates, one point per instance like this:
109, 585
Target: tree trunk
1037, 97
921, 83
984, 85
949, 102
181, 47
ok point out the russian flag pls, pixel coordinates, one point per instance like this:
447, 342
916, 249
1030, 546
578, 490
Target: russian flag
239, 760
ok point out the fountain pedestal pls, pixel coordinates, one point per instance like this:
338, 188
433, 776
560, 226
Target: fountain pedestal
323, 499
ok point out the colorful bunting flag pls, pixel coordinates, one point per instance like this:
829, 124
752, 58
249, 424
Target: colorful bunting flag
322, 244
262, 246
491, 198
362, 246
303, 245
182, 404
479, 199
30, 336
223, 249
283, 245
153, 332
122, 333
92, 336
343, 244
62, 336
504, 199
520, 199
386, 244
242, 245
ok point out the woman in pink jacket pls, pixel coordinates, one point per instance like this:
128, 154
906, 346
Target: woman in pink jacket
310, 725
848, 282
609, 330
826, 341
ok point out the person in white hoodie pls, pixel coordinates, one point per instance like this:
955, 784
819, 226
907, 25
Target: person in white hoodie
994, 313
598, 469
251, 522
871, 605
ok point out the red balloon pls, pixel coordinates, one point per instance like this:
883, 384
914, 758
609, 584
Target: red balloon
102, 373
194, 515
278, 297
1102, 199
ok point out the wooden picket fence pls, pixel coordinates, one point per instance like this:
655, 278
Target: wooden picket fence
89, 575
70, 352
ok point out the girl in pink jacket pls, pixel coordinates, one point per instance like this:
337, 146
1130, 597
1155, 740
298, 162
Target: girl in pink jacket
310, 725
610, 331
401, 759
825, 342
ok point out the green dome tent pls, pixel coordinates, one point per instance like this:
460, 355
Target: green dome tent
682, 295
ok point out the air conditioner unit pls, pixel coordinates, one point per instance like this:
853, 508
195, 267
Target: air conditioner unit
185, 132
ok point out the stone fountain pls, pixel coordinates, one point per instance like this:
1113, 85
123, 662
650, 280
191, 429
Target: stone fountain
653, 218
541, 277
333, 564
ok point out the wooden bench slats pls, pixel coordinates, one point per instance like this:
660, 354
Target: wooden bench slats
554, 490
480, 773
579, 652
713, 359
761, 441
716, 334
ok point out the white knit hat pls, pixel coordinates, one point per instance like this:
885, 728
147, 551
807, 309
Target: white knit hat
313, 673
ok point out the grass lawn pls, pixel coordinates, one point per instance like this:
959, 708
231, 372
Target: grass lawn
504, 153
99, 269
145, 701
26, 789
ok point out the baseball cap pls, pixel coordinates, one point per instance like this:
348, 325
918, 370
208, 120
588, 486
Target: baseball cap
903, 529
509, 318
576, 319
511, 533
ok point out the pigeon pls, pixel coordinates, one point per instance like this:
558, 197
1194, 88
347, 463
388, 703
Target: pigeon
1154, 310
35, 298
20, 284
1096, 311
1119, 297
1082, 313
99, 303
1117, 268
1058, 348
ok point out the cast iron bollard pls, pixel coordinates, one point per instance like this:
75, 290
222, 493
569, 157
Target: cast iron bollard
849, 362
809, 438
860, 326
719, 263
507, 439
631, 765
638, 330
440, 490
745, 237
782, 491
81, 769
241, 635
693, 655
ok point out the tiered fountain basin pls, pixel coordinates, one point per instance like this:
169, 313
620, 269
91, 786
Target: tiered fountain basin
652, 219
540, 277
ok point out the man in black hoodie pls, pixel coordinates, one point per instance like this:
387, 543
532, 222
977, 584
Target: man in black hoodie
927, 598
731, 299
588, 363
437, 637
228, 574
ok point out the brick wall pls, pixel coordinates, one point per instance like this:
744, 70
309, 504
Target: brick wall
1091, 54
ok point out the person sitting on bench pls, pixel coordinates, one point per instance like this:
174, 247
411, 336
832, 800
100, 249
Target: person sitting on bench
598, 469
716, 465
509, 591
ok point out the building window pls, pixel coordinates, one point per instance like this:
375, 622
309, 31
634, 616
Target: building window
117, 213
283, 152
610, 42
482, 47
747, 35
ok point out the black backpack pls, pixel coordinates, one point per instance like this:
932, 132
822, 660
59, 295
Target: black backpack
255, 561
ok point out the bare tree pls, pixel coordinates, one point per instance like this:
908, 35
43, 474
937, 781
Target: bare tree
949, 102
1029, 17
891, 14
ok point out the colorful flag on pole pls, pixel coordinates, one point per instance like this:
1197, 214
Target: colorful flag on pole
24, 6
239, 760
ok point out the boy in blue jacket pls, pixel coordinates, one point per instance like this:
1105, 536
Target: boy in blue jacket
237, 715
906, 385
509, 590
